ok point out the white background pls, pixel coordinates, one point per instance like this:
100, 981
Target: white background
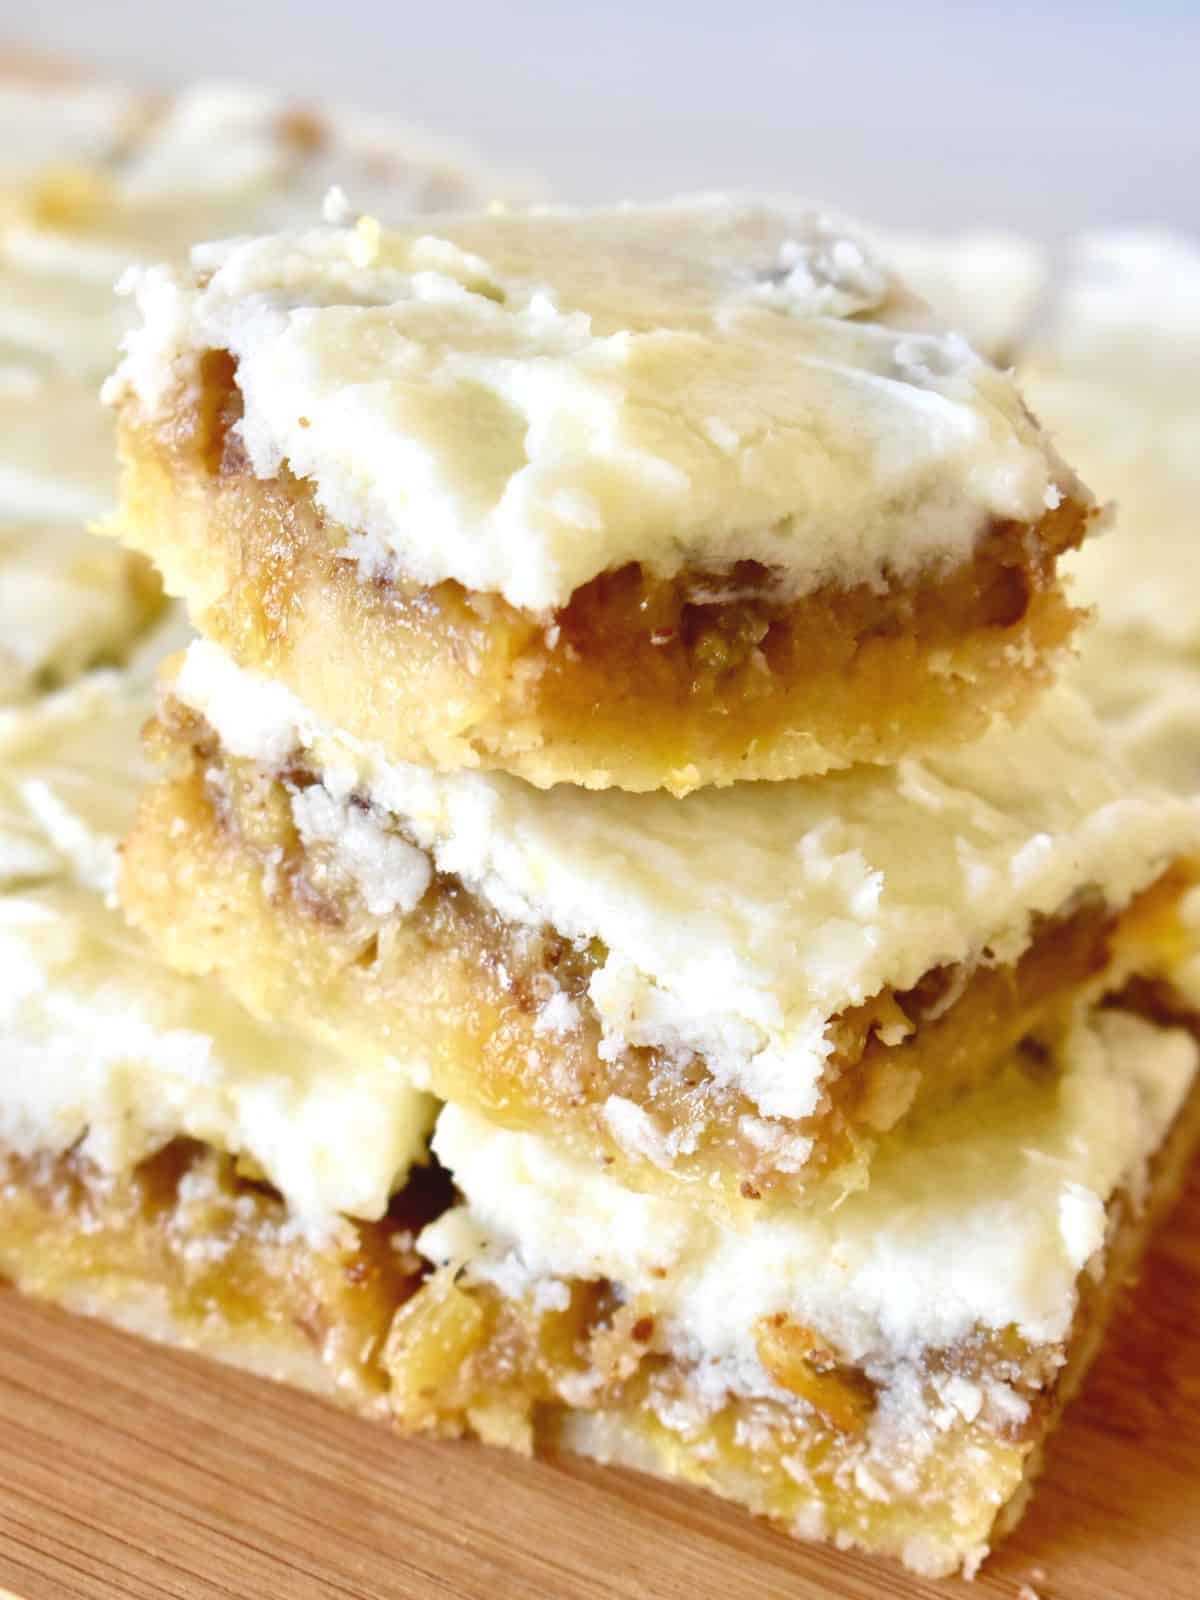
1041, 117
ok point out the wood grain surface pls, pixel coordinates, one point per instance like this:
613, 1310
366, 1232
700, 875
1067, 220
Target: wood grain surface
130, 1471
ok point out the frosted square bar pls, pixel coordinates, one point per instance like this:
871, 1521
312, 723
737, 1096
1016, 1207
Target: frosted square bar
741, 992
650, 498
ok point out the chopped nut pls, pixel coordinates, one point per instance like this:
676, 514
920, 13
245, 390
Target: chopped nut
801, 1361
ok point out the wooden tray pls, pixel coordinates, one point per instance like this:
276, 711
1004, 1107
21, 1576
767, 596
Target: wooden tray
129, 1471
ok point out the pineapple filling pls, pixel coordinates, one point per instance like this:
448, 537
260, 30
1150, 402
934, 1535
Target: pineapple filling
500, 1014
217, 1249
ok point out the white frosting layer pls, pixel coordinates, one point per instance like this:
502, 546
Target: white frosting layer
984, 284
260, 161
57, 306
982, 1219
521, 402
70, 769
57, 447
65, 601
738, 921
1147, 693
101, 1044
1115, 375
217, 161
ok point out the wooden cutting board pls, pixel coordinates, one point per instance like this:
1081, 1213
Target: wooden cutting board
129, 1471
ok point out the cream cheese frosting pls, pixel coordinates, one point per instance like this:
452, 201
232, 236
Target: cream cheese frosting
986, 284
65, 602
520, 402
215, 161
219, 161
737, 922
103, 1047
261, 161
57, 451
67, 599
981, 1219
1147, 694
57, 306
1114, 372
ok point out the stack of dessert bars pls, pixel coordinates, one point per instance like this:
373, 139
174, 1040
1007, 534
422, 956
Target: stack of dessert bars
624, 728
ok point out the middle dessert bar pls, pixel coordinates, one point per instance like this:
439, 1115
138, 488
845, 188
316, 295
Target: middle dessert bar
747, 987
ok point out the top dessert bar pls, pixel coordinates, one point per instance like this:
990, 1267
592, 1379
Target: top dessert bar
645, 498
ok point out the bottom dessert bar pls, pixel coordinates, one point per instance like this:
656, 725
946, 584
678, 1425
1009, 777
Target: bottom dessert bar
883, 1375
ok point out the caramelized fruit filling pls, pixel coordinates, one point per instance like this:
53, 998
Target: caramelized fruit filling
446, 1356
448, 1350
219, 1248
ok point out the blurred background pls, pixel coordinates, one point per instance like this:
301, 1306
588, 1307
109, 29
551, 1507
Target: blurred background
927, 113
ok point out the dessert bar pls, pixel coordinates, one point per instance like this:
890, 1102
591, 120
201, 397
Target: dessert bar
742, 990
649, 498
